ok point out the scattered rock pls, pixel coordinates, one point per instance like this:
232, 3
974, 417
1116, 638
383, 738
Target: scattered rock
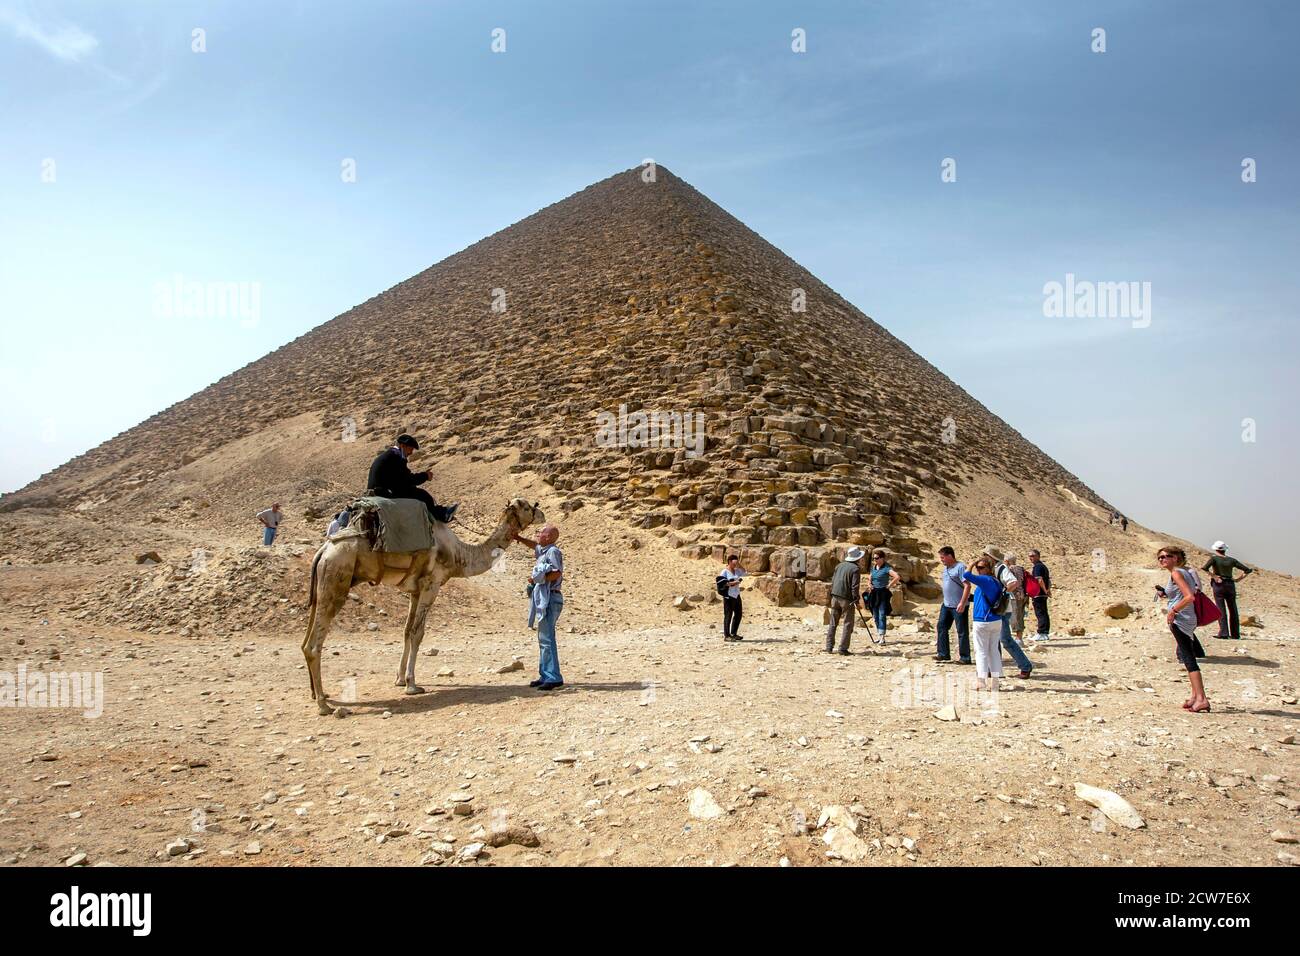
837, 816
845, 844
1115, 807
702, 806
515, 833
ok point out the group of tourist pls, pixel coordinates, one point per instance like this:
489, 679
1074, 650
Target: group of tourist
996, 590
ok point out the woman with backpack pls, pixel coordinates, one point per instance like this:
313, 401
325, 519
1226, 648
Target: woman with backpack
1181, 591
883, 577
986, 623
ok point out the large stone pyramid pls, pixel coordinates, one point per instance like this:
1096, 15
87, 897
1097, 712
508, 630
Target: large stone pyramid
631, 295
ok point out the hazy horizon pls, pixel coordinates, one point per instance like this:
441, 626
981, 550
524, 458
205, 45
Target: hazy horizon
1125, 166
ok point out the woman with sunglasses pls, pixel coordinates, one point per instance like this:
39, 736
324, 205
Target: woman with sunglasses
883, 578
1181, 592
986, 625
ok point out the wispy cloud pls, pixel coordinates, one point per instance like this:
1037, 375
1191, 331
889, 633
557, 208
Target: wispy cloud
64, 41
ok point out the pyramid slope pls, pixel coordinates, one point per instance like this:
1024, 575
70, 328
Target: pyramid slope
628, 293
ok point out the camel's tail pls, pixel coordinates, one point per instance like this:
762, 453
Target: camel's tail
311, 593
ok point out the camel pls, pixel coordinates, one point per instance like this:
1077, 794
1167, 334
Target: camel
347, 559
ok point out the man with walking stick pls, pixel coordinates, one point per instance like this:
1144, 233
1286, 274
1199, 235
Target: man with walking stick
846, 594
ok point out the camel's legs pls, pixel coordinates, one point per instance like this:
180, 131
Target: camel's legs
406, 638
328, 603
415, 631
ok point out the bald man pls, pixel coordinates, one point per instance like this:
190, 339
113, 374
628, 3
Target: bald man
547, 602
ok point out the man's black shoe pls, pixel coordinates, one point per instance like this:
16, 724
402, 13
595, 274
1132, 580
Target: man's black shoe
942, 660
534, 683
550, 685
843, 651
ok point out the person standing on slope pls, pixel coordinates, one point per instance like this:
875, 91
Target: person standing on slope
270, 518
1224, 586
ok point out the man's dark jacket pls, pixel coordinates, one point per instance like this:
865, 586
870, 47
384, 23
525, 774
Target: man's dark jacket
390, 476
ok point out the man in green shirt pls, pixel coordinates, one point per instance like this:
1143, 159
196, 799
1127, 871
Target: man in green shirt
1224, 586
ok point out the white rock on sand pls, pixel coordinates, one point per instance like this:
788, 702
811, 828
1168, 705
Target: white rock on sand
1115, 807
837, 816
845, 845
702, 806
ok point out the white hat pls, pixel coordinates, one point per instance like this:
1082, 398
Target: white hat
1220, 546
855, 554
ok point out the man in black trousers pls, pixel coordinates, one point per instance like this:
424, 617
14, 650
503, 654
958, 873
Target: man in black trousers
391, 477
731, 605
1224, 585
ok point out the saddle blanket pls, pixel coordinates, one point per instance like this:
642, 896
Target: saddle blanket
399, 524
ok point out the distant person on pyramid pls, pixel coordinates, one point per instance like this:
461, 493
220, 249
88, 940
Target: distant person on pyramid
391, 477
846, 596
1123, 523
1224, 586
270, 519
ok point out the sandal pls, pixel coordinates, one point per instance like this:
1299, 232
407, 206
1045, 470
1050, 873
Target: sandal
1200, 710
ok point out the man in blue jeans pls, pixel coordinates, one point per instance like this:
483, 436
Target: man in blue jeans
547, 602
953, 590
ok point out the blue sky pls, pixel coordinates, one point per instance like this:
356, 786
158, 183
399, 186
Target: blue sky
224, 166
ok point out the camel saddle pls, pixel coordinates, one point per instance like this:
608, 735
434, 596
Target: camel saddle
393, 525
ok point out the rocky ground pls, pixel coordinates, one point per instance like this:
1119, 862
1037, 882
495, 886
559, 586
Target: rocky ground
666, 747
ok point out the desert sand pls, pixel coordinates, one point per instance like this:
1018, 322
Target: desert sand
210, 752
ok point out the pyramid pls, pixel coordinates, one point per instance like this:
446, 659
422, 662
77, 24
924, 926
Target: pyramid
629, 296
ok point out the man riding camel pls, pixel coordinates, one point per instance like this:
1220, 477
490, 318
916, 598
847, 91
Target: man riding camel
391, 477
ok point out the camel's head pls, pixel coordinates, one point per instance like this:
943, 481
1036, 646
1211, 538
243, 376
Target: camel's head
522, 514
